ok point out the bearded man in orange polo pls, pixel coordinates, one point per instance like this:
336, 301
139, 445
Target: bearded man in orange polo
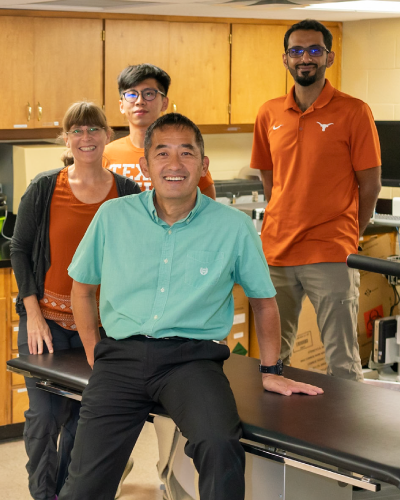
319, 156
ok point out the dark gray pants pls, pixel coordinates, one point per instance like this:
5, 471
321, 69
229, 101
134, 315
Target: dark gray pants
129, 377
48, 417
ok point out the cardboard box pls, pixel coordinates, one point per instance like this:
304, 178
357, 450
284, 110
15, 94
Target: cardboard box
238, 338
308, 352
376, 300
378, 246
254, 349
376, 295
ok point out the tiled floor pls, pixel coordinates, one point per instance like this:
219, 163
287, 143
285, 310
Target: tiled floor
141, 484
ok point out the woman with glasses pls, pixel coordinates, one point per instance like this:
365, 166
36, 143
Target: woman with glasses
53, 216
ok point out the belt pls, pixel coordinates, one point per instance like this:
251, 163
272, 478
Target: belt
165, 338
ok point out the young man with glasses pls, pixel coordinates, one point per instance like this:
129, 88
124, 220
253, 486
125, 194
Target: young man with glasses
319, 156
143, 93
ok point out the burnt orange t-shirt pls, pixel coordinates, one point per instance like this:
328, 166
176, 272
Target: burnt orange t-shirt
122, 157
313, 212
69, 219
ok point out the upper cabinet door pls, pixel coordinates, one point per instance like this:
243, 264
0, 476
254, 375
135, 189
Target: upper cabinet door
128, 43
16, 61
68, 66
199, 70
333, 74
257, 71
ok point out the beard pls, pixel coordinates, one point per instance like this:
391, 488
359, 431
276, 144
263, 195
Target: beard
306, 79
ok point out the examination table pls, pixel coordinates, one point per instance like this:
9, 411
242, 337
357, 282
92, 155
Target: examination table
298, 447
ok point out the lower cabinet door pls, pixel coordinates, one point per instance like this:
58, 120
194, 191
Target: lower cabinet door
20, 404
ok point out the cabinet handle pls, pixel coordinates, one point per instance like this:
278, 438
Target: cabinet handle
29, 112
173, 107
40, 111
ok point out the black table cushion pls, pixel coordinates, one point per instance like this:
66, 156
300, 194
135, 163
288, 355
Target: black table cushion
352, 425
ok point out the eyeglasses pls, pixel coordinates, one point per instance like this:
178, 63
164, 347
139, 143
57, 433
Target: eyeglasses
79, 132
313, 51
147, 94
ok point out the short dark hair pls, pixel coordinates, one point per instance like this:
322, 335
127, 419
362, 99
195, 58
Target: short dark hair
173, 120
308, 25
132, 75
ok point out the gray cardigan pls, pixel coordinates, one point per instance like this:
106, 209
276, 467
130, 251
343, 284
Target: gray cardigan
30, 244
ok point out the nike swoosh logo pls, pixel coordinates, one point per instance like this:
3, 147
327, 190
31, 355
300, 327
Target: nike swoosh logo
276, 128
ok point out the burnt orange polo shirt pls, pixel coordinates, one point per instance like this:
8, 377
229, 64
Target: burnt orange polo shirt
122, 157
313, 212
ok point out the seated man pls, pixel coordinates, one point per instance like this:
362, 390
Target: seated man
167, 260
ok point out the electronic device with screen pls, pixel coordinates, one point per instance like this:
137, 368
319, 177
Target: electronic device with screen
389, 137
385, 348
387, 212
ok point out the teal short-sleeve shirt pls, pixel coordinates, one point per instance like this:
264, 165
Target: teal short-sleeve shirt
165, 281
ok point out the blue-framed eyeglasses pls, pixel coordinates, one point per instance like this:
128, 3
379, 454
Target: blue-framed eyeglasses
147, 94
313, 51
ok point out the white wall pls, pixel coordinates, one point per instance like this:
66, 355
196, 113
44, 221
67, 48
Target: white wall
228, 153
371, 64
371, 69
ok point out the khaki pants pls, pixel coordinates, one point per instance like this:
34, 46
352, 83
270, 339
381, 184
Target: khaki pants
333, 290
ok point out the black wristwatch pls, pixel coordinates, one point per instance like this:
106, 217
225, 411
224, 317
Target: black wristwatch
275, 369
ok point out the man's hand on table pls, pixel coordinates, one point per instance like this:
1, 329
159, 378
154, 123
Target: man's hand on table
287, 387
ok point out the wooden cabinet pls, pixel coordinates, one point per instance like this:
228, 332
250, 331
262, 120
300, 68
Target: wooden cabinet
333, 74
199, 70
257, 73
16, 61
13, 394
68, 66
195, 55
60, 60
20, 403
4, 399
55, 63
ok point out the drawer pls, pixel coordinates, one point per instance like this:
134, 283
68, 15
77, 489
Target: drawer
14, 335
14, 286
16, 378
14, 315
19, 404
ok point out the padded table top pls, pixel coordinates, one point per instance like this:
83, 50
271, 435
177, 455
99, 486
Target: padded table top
352, 425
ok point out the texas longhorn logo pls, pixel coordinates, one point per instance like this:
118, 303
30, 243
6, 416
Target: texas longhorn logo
324, 126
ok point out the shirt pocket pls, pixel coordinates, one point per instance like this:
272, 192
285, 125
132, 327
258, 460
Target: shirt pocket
203, 268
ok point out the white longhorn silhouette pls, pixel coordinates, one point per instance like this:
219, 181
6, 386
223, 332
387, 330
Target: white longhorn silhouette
324, 126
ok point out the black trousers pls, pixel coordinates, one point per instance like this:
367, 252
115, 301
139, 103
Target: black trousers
129, 377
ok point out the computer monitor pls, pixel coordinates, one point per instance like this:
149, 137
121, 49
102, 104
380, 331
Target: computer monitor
389, 137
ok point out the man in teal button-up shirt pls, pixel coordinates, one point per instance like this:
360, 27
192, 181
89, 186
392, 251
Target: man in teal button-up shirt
167, 261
